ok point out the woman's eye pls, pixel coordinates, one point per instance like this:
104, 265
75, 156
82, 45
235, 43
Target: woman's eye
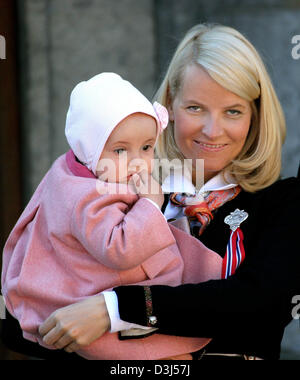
194, 108
233, 112
119, 151
147, 147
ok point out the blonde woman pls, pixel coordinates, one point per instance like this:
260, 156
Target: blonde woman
223, 110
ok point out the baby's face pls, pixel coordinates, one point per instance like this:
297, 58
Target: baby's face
129, 149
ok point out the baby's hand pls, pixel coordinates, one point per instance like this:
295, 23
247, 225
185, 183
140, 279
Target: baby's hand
147, 187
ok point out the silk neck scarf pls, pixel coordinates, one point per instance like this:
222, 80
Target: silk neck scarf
201, 211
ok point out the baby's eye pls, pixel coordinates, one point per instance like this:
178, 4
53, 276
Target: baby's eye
120, 150
147, 147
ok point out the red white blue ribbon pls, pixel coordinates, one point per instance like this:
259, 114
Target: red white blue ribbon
235, 253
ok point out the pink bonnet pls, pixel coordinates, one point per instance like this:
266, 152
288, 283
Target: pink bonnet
97, 106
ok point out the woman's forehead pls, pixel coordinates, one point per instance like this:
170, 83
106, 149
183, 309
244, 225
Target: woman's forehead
198, 86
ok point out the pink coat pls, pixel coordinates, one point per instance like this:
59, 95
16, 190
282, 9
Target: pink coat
71, 243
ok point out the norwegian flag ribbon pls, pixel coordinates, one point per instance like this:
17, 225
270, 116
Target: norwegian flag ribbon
235, 253
202, 211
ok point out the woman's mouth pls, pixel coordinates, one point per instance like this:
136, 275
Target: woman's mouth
210, 147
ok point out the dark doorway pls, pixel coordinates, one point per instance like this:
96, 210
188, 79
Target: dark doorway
10, 182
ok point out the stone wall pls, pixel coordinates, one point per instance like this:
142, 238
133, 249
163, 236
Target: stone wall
64, 42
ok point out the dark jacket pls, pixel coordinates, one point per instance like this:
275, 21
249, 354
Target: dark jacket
247, 312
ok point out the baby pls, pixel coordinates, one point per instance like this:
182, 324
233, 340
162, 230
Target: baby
94, 221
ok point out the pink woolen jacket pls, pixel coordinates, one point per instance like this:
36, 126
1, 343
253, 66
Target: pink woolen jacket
76, 239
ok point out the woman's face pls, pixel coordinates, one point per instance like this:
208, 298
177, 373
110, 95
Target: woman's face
210, 122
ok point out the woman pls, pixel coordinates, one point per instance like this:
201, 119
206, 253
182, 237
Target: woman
223, 110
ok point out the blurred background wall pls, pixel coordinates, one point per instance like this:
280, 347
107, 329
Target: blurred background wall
54, 44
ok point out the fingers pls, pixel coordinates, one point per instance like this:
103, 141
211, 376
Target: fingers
136, 179
60, 337
54, 335
140, 181
63, 338
54, 332
47, 325
131, 183
144, 175
63, 342
136, 182
72, 347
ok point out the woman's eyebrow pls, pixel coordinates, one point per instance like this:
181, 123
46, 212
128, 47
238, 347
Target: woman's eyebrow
194, 102
191, 101
235, 106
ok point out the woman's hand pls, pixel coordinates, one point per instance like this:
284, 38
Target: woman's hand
76, 325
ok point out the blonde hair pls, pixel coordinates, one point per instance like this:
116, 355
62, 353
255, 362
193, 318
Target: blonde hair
232, 61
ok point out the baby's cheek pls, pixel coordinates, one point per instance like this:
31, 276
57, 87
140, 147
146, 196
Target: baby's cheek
122, 169
151, 166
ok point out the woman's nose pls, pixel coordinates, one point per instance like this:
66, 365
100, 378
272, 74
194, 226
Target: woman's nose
212, 127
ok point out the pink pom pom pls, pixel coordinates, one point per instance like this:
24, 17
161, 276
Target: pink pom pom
162, 115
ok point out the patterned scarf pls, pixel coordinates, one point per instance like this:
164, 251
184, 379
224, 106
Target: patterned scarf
200, 208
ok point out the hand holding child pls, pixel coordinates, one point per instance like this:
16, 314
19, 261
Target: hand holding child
76, 325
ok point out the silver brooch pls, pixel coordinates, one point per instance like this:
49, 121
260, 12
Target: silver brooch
152, 320
235, 219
